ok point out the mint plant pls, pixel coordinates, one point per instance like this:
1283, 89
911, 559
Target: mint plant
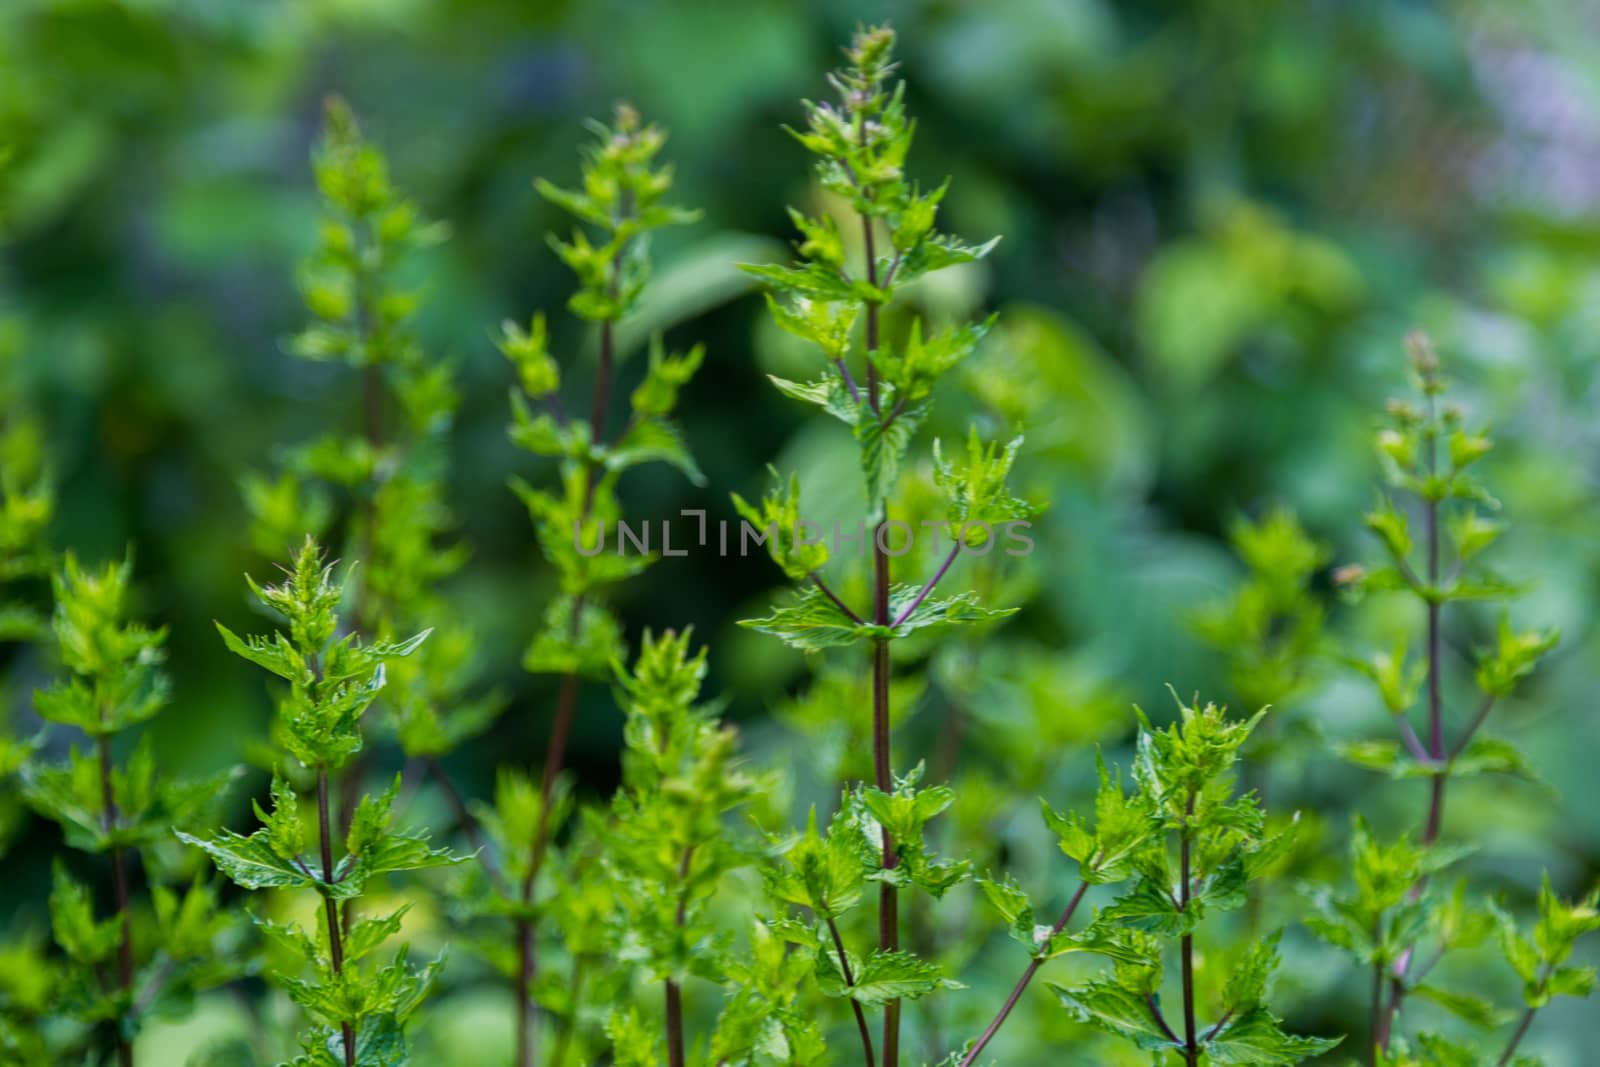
1396, 918
861, 144
827, 877
1190, 847
668, 840
120, 969
358, 1007
386, 477
620, 202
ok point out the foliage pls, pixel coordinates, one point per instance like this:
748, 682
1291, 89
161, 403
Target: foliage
391, 471
357, 1007
1184, 806
622, 200
861, 144
1429, 453
1191, 319
132, 966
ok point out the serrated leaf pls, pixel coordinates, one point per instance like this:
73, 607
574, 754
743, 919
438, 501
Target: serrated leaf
813, 622
887, 976
1116, 1011
1254, 1038
250, 861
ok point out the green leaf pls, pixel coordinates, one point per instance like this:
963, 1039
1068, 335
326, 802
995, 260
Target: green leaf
650, 439
1490, 755
1014, 907
916, 367
366, 936
1254, 1038
72, 920
666, 374
883, 439
1247, 981
825, 874
887, 976
529, 351
830, 393
1468, 1007
783, 529
811, 280
813, 622
1116, 1011
250, 861
1513, 658
825, 324
1149, 906
285, 833
956, 610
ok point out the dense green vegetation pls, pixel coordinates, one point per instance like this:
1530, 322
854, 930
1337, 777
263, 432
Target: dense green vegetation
1179, 643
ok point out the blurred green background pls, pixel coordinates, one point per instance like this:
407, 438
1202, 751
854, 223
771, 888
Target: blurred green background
1219, 219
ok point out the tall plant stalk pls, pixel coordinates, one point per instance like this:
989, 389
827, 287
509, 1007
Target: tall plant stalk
389, 471
334, 922
621, 198
1394, 907
861, 145
355, 1005
119, 891
668, 841
1428, 454
118, 809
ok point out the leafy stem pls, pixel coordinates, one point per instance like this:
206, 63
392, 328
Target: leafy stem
335, 933
1527, 1019
119, 889
1191, 1047
674, 993
566, 701
850, 980
1022, 984
955, 551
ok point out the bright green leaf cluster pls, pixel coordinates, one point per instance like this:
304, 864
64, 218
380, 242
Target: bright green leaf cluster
121, 807
778, 519
332, 679
668, 842
1188, 847
27, 497
976, 495
363, 318
1270, 627
623, 197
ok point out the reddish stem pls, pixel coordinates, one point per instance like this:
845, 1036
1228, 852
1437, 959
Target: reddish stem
1022, 984
335, 933
119, 889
